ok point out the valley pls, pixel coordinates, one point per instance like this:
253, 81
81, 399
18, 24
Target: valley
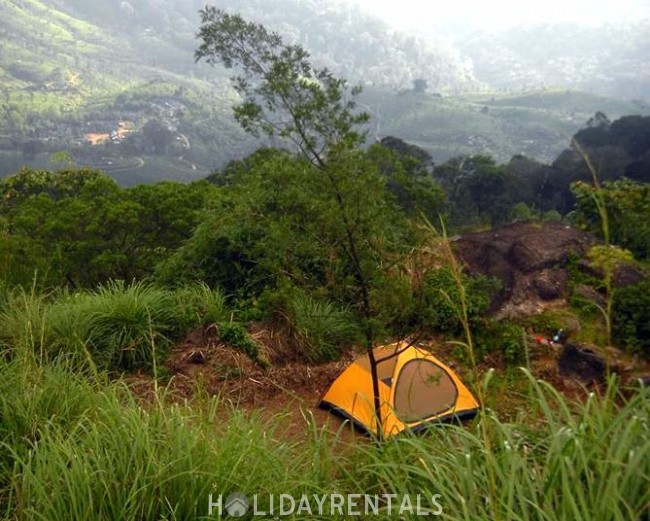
66, 73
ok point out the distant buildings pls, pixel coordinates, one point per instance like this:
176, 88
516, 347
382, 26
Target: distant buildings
119, 132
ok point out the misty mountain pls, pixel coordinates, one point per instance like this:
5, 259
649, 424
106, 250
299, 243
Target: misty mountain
351, 43
611, 60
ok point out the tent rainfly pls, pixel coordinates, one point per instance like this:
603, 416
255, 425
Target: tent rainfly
415, 389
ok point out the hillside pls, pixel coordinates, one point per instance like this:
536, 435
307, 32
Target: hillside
175, 350
68, 83
115, 85
536, 124
354, 44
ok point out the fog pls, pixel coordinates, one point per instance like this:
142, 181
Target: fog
501, 14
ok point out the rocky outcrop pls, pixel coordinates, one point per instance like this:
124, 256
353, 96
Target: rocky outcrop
528, 258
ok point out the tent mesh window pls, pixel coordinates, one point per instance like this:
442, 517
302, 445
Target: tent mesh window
385, 365
423, 390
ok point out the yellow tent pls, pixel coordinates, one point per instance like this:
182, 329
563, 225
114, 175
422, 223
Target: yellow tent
415, 389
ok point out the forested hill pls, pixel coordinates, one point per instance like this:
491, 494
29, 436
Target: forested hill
611, 60
353, 43
115, 84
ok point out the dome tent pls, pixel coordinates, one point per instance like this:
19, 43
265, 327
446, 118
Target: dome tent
415, 389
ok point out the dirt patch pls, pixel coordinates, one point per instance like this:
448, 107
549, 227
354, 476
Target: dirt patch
287, 389
203, 360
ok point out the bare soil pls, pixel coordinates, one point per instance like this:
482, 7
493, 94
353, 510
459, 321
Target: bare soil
287, 388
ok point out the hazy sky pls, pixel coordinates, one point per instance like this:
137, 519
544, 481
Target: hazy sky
499, 14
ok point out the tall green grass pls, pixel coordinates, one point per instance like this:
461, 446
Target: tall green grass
563, 461
72, 450
321, 328
116, 327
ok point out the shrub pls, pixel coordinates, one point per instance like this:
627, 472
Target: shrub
321, 327
501, 337
130, 325
198, 305
442, 307
631, 317
235, 335
545, 323
133, 324
122, 327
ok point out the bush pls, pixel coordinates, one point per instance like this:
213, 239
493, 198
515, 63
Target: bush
442, 309
631, 317
130, 325
198, 305
118, 327
545, 323
501, 337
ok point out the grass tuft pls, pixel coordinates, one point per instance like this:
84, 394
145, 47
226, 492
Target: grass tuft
321, 327
117, 327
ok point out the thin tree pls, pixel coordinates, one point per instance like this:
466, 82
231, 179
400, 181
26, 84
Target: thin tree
284, 96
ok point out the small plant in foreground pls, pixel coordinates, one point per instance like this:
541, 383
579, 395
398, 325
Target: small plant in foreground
235, 335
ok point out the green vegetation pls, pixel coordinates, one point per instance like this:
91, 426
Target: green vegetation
322, 329
628, 206
67, 78
115, 328
325, 242
499, 125
562, 467
235, 335
631, 317
79, 228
